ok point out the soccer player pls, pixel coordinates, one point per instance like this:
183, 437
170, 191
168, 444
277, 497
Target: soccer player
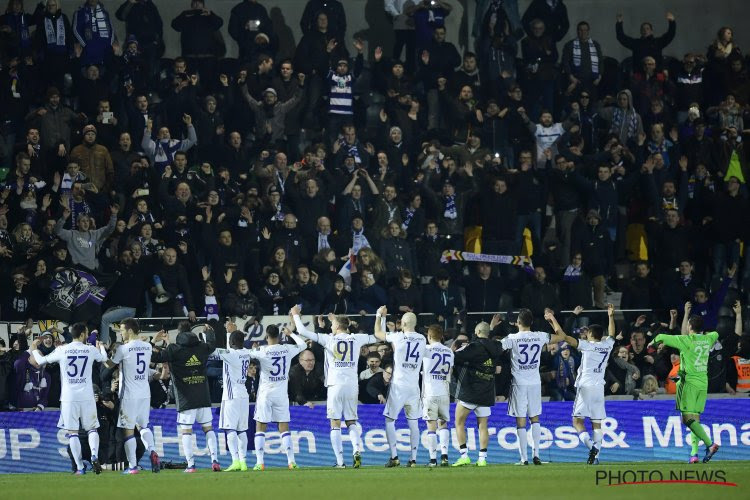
77, 404
692, 387
134, 358
408, 353
475, 389
235, 401
341, 356
589, 402
526, 387
272, 404
187, 364
436, 369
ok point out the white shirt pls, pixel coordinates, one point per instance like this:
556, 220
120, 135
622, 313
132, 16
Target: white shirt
76, 360
275, 362
594, 361
234, 374
408, 353
134, 358
546, 138
436, 365
342, 353
526, 352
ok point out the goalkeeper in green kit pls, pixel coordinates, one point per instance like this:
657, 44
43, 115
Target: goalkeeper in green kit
692, 387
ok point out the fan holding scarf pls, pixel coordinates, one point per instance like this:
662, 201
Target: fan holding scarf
93, 31
582, 61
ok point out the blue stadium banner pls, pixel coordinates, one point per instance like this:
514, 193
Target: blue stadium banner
633, 431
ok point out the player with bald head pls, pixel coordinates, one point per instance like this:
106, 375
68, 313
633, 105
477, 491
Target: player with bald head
408, 353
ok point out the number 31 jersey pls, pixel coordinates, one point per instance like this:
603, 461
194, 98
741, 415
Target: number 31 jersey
594, 361
275, 362
134, 358
408, 353
526, 352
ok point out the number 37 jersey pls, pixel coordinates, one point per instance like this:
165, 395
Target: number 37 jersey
526, 351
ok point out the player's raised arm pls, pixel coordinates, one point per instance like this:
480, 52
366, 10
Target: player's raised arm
684, 329
559, 334
737, 308
380, 316
298, 340
295, 312
54, 357
611, 330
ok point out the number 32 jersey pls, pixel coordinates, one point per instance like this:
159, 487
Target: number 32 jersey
134, 358
526, 352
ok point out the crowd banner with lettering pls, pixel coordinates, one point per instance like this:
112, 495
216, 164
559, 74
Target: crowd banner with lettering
513, 260
633, 431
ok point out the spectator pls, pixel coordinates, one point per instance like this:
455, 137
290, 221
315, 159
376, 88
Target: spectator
251, 28
306, 381
334, 11
647, 45
621, 375
94, 160
54, 37
200, 39
378, 386
406, 297
373, 366
553, 14
94, 33
582, 61
443, 299
84, 243
143, 21
173, 278
403, 27
163, 151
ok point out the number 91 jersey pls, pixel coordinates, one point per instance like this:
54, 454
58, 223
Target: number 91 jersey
526, 351
342, 356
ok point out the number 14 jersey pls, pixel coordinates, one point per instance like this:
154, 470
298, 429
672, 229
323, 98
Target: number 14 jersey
526, 352
408, 353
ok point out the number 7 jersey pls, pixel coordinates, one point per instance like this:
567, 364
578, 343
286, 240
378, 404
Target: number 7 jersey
594, 357
526, 351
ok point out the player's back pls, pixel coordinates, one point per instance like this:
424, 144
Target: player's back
437, 365
275, 362
342, 356
76, 363
134, 358
694, 355
234, 372
526, 352
594, 356
408, 353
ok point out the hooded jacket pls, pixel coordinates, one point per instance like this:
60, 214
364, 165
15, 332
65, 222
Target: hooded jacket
625, 124
475, 371
187, 362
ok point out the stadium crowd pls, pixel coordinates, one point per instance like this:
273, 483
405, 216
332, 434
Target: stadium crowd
337, 179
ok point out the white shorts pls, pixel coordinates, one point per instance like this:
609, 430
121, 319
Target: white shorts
134, 412
479, 411
234, 414
590, 402
271, 408
201, 415
77, 414
342, 402
525, 400
436, 408
404, 397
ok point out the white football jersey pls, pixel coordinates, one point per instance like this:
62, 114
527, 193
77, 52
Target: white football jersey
275, 362
526, 352
134, 358
437, 364
408, 353
593, 361
76, 360
342, 356
234, 374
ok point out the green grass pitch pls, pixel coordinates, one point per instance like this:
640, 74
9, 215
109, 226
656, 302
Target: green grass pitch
550, 482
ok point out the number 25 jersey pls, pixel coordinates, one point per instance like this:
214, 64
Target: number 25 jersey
526, 351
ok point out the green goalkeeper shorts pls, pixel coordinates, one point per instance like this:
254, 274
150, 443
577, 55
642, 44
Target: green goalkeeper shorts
690, 398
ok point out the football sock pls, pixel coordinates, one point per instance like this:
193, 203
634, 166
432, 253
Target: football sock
130, 451
148, 439
464, 451
337, 445
432, 444
260, 443
355, 436
75, 450
390, 432
445, 436
414, 438
233, 444
536, 436
586, 439
286, 443
242, 447
522, 443
483, 454
212, 447
694, 442
697, 429
187, 448
94, 444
